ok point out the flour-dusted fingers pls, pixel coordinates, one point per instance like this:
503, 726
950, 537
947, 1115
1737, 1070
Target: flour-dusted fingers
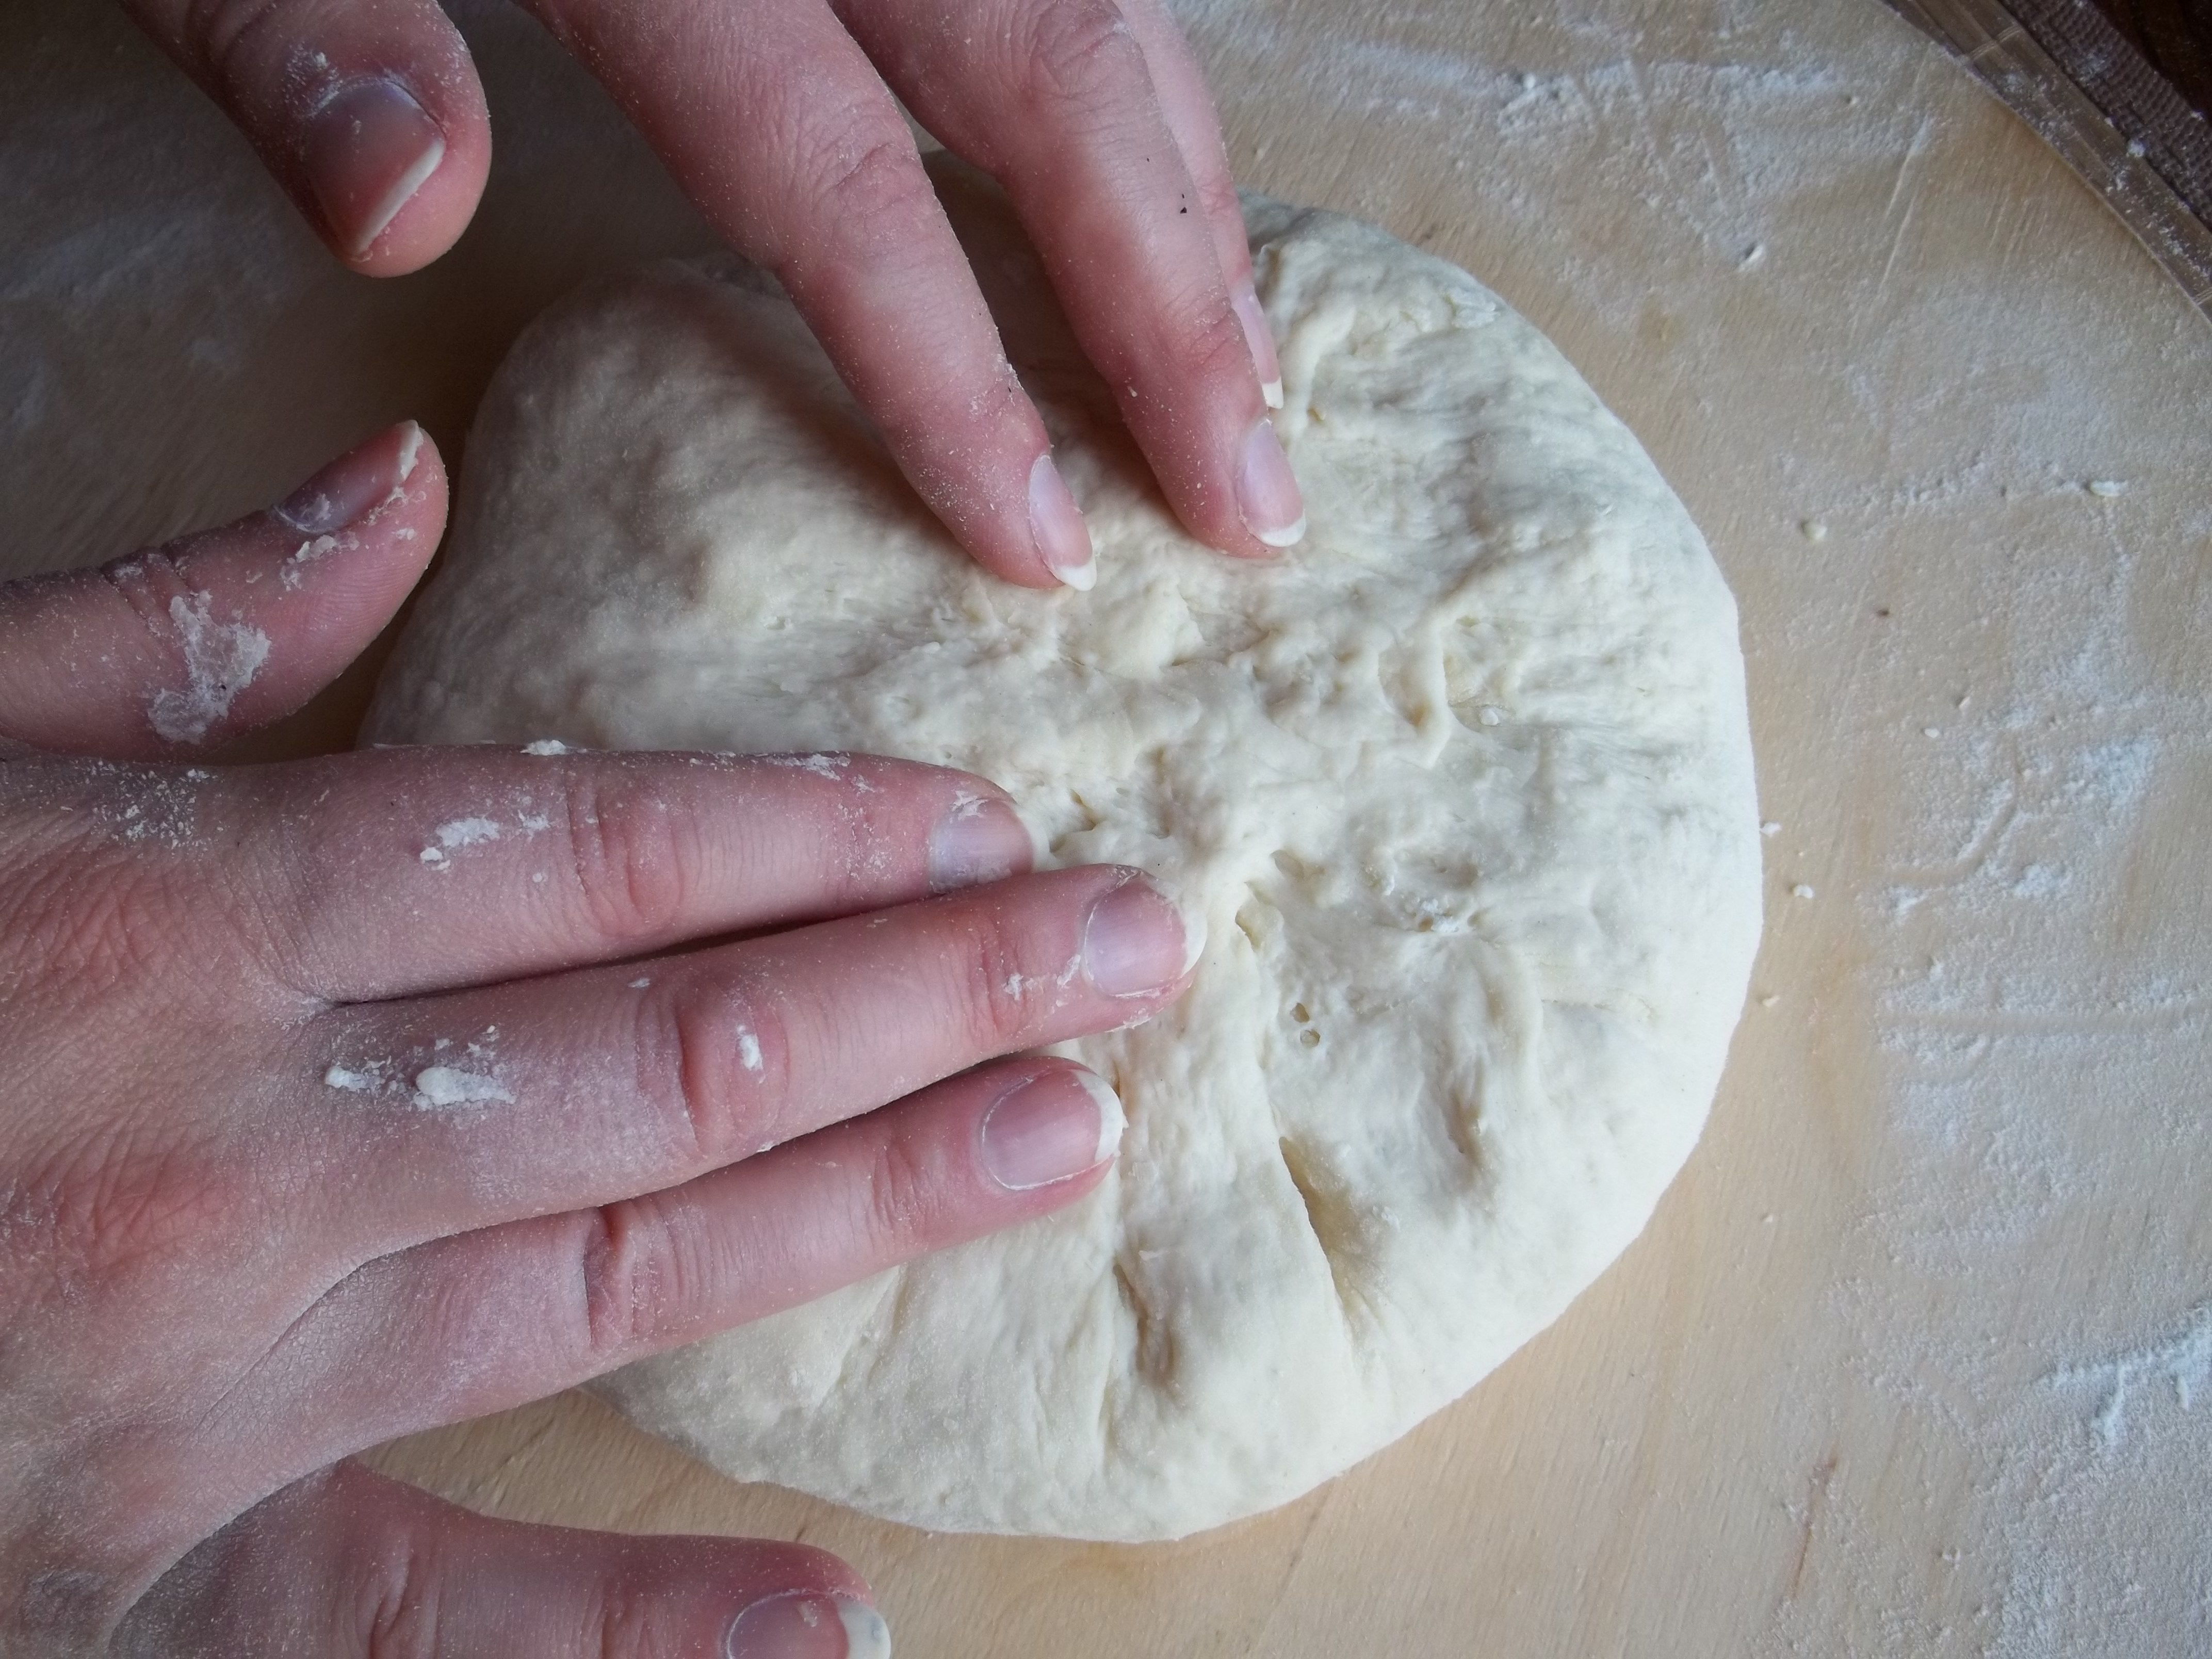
168, 651
482, 1106
401, 871
1061, 102
485, 1319
367, 112
348, 1564
778, 127
1188, 107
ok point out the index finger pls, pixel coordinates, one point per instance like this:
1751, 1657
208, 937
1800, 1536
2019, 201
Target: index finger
399, 871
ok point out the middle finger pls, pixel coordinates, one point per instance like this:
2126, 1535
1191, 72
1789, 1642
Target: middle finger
1061, 102
464, 1110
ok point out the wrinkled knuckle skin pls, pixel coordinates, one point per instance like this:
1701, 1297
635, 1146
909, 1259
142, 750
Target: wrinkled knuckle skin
87, 921
96, 900
635, 857
111, 1211
1192, 353
993, 979
718, 1056
393, 1600
214, 36
631, 1274
1218, 197
902, 1190
1208, 342
1082, 52
626, 1622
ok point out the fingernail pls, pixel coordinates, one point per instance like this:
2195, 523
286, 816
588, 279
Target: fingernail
1063, 541
979, 839
1049, 1128
370, 146
352, 486
799, 1626
1261, 342
1267, 495
1136, 940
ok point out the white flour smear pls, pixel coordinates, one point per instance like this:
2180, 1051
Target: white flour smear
221, 660
2087, 1480
2182, 1364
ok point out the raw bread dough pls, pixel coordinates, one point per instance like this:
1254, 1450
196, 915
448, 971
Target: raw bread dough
1464, 784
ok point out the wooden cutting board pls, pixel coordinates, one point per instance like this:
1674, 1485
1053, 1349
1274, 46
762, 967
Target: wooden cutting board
1905, 1364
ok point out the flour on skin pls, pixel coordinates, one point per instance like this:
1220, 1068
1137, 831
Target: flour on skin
222, 658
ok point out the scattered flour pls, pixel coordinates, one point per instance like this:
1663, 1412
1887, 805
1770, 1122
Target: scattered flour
2182, 1361
2025, 953
307, 552
1999, 973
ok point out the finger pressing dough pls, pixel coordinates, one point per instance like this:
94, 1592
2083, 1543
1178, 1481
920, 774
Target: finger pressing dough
1463, 783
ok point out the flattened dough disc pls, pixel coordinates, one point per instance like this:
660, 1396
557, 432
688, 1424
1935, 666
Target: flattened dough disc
1463, 783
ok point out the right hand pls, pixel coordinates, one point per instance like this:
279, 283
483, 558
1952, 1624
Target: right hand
776, 116
350, 1097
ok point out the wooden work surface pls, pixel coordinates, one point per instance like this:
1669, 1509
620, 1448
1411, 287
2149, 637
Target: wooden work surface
1902, 1365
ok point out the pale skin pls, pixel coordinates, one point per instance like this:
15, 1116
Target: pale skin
323, 1120
778, 119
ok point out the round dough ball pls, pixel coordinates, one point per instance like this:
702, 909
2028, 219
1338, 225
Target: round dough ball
1463, 783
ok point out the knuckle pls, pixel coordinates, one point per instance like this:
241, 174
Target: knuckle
903, 1187
867, 175
215, 36
123, 879
992, 989
91, 910
719, 1056
1206, 338
1191, 344
635, 859
390, 1589
129, 1205
1083, 51
147, 583
631, 1272
1217, 198
627, 1622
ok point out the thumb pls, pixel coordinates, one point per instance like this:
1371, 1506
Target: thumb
185, 645
349, 1563
368, 113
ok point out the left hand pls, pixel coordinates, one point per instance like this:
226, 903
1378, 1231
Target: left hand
352, 1096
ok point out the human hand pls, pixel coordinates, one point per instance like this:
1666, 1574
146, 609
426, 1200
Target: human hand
344, 1097
775, 117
